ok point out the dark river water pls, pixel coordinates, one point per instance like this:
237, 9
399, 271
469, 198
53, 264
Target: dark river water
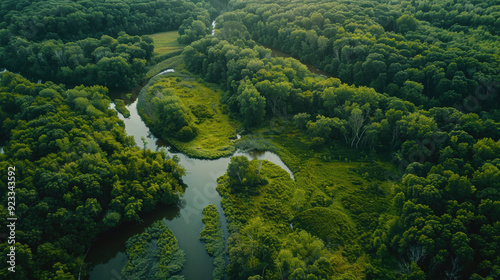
108, 252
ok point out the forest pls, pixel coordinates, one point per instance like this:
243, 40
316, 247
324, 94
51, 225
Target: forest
394, 152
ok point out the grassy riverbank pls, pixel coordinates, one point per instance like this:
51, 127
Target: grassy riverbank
201, 100
270, 224
214, 238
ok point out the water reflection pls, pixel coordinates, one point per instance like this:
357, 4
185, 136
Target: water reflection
107, 253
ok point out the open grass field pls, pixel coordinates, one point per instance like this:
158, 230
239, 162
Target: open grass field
166, 42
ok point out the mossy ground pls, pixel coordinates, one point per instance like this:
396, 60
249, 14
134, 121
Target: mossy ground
346, 183
355, 182
216, 131
166, 42
283, 210
344, 190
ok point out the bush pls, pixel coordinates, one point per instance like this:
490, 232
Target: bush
162, 262
214, 238
332, 226
186, 133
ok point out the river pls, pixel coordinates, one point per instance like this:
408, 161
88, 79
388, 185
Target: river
184, 219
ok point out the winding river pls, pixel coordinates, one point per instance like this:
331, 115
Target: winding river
185, 219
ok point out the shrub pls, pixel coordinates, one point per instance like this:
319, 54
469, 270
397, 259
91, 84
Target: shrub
186, 134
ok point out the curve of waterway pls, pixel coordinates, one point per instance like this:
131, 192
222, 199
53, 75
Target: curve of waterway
184, 219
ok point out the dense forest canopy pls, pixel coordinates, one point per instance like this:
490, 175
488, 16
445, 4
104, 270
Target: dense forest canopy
449, 152
76, 20
78, 174
436, 58
87, 42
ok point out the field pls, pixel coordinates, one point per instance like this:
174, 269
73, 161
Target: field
166, 42
215, 129
215, 132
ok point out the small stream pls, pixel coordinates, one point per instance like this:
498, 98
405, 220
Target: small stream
184, 219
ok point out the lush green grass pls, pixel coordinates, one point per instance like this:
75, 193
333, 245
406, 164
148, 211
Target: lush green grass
154, 254
166, 42
215, 129
120, 107
331, 225
352, 179
175, 63
214, 238
282, 209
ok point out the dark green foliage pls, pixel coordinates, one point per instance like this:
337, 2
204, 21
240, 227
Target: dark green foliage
85, 42
81, 174
332, 226
244, 177
118, 62
301, 120
154, 254
78, 173
214, 238
447, 148
384, 44
120, 107
74, 20
173, 115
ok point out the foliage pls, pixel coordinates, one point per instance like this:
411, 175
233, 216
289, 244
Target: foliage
331, 225
121, 108
243, 176
200, 128
74, 20
118, 62
262, 238
385, 44
214, 239
153, 254
78, 173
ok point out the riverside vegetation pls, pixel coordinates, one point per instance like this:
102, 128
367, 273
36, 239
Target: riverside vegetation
396, 160
213, 236
154, 254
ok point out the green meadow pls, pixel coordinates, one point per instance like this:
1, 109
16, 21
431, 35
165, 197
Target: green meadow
215, 130
166, 42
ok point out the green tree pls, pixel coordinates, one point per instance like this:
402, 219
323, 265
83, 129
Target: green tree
252, 105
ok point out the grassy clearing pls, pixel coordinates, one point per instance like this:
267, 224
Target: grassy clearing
166, 42
339, 193
342, 179
215, 129
285, 212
